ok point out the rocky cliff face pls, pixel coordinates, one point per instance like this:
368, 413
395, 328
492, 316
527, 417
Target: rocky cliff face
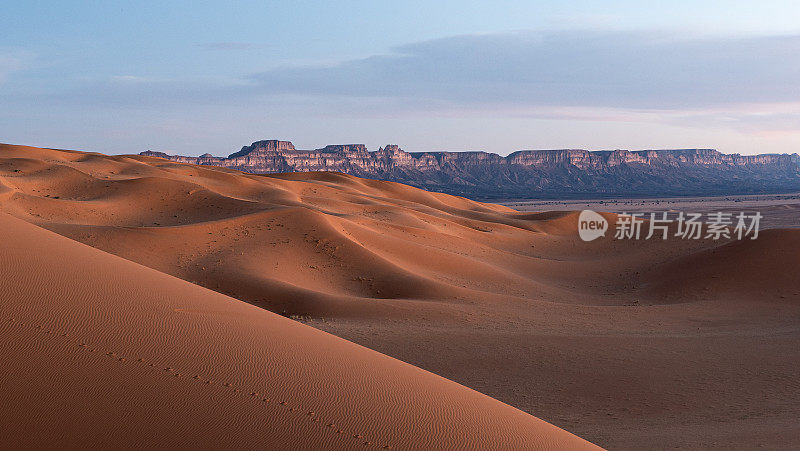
529, 173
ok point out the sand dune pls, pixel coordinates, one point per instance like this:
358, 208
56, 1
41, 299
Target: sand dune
319, 244
102, 352
628, 344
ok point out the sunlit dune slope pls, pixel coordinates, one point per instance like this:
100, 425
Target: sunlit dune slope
320, 244
102, 352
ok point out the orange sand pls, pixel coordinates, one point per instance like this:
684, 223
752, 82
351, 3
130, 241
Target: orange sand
628, 344
103, 352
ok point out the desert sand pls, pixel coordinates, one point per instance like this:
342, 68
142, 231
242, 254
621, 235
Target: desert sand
647, 344
101, 352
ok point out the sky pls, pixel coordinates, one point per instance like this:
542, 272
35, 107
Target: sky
190, 77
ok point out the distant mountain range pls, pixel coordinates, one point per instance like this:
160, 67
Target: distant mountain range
529, 174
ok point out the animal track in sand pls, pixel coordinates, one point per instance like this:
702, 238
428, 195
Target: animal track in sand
170, 370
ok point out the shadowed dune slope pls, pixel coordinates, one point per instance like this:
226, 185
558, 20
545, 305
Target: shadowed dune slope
102, 352
747, 269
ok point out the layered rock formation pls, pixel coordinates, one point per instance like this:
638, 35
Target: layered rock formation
529, 173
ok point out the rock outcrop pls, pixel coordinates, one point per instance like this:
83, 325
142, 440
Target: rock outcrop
529, 173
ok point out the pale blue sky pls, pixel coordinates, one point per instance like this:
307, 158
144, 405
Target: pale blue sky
196, 77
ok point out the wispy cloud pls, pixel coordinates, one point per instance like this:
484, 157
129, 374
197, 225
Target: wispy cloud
773, 118
580, 68
751, 84
130, 79
225, 46
12, 61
